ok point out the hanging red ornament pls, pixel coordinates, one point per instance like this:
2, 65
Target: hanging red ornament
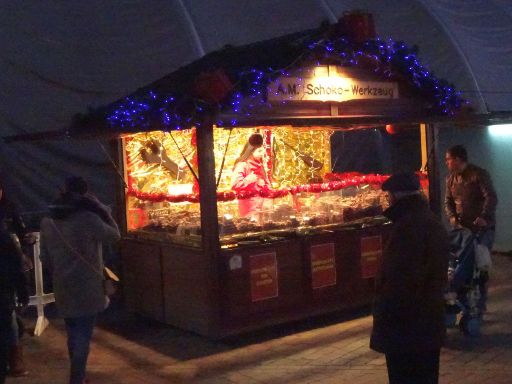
392, 129
213, 86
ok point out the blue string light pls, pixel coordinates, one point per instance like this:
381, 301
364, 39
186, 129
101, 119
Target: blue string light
387, 58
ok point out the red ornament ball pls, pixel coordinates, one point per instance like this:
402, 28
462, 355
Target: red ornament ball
392, 129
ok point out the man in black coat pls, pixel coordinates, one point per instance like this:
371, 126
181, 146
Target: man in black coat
408, 315
12, 282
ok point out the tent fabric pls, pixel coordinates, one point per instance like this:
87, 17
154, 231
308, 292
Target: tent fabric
63, 57
179, 99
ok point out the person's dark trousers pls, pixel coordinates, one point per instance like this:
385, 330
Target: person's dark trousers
5, 336
79, 330
413, 367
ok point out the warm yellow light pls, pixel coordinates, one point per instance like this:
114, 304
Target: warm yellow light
325, 87
179, 189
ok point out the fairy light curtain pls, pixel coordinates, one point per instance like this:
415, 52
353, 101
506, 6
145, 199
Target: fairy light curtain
156, 160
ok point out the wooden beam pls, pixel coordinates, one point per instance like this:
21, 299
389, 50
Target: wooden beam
209, 221
433, 168
424, 149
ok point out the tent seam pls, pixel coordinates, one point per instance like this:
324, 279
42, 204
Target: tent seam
463, 56
195, 34
328, 10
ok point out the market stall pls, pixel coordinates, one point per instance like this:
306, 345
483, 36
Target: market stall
307, 241
252, 177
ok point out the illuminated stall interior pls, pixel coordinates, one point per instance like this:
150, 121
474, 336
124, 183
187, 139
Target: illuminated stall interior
306, 191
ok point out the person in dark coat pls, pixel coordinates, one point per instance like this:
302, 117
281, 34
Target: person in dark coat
12, 282
12, 222
408, 313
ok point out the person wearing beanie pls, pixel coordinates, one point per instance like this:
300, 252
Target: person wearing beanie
250, 176
408, 311
71, 239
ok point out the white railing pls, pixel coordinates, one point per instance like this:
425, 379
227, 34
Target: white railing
40, 299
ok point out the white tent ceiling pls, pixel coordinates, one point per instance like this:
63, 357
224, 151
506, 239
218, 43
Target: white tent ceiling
61, 57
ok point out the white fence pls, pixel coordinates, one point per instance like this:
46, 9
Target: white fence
40, 299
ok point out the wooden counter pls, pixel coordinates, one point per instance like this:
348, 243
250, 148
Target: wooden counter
259, 285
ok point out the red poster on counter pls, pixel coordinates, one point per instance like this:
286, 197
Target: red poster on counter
323, 265
264, 278
371, 255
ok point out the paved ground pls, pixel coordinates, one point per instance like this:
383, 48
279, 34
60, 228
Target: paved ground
331, 349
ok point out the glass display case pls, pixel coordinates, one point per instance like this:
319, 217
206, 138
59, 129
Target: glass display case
303, 213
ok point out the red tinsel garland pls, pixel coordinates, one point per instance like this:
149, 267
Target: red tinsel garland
338, 181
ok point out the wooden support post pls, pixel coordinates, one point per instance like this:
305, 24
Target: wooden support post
433, 168
209, 220
121, 200
424, 149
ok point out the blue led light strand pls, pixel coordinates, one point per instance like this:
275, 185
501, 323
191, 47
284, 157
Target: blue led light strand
388, 58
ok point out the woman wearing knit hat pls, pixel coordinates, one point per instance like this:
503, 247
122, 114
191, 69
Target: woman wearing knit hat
249, 175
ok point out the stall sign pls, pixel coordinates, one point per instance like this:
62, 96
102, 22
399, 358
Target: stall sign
371, 255
330, 88
264, 278
323, 265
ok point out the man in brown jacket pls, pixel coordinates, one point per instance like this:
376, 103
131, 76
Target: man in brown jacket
470, 199
408, 313
470, 202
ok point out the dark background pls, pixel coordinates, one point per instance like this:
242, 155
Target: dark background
376, 151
